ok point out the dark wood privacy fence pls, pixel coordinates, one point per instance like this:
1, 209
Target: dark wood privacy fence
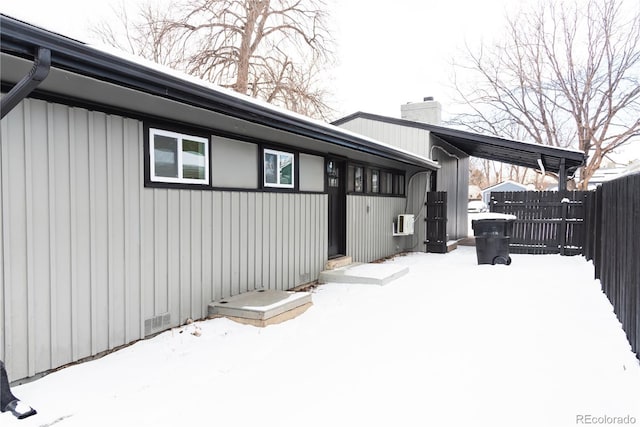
436, 220
603, 225
612, 242
548, 222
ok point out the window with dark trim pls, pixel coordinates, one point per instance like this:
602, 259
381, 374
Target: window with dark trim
398, 184
358, 180
178, 158
386, 182
372, 180
278, 169
355, 178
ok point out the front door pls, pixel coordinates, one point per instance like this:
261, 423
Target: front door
335, 183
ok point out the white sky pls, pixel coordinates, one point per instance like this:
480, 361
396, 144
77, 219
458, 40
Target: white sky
389, 52
388, 55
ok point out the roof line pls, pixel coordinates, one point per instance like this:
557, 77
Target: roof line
567, 153
21, 39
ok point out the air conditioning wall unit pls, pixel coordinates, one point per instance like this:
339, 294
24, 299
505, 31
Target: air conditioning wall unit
405, 224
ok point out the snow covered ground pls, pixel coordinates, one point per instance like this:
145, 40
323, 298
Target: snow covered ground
451, 343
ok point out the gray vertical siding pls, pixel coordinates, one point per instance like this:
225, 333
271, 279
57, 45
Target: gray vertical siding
407, 138
417, 185
370, 222
370, 227
453, 177
88, 255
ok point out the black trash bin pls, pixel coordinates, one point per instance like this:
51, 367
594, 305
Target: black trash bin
492, 233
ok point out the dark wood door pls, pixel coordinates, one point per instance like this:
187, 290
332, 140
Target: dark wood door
335, 184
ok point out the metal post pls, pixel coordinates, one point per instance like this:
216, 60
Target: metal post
562, 176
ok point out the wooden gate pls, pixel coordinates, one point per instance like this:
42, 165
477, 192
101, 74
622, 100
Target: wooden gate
436, 220
548, 222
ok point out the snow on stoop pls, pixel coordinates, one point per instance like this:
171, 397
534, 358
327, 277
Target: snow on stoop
262, 307
367, 274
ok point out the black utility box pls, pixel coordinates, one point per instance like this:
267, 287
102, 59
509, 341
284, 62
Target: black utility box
492, 233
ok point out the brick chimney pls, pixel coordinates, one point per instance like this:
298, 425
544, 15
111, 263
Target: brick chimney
427, 111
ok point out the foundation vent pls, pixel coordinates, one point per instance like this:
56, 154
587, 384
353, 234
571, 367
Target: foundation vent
157, 324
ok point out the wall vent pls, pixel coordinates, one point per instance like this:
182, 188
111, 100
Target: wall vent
157, 324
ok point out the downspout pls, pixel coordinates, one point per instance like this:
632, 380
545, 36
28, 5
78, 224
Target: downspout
542, 169
39, 72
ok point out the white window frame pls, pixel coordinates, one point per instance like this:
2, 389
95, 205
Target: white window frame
179, 137
293, 169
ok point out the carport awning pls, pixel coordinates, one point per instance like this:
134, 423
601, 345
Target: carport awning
519, 153
513, 152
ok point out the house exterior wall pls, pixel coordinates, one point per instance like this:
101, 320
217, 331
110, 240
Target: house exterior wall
311, 172
407, 138
453, 177
91, 259
370, 227
370, 222
234, 163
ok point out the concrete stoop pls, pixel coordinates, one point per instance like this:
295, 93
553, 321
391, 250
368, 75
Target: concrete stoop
338, 262
367, 274
262, 307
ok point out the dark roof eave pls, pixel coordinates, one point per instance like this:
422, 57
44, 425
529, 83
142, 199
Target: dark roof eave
23, 39
574, 159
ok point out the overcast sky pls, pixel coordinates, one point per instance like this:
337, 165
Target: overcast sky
389, 52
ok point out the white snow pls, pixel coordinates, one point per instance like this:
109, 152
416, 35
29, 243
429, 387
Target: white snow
451, 343
374, 271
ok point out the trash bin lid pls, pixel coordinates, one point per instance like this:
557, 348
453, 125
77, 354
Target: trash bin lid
493, 215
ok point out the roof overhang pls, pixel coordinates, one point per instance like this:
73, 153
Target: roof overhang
72, 58
519, 153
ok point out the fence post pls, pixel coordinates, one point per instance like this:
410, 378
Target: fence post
562, 238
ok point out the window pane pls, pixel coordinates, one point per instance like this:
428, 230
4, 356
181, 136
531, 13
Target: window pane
165, 156
333, 174
387, 182
400, 189
286, 169
350, 178
193, 160
358, 179
270, 168
375, 181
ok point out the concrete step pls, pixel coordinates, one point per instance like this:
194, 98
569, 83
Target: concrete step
373, 274
338, 262
262, 307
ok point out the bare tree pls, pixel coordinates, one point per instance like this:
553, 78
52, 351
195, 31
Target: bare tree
269, 49
566, 73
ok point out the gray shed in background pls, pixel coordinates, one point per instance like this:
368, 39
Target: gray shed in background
501, 186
